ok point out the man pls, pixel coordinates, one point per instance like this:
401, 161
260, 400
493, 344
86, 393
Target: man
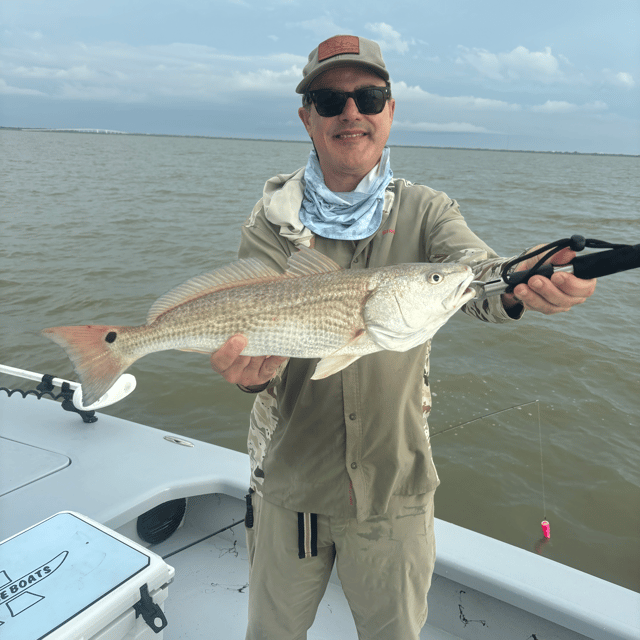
341, 467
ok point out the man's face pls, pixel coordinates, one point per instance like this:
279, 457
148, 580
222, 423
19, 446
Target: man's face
349, 145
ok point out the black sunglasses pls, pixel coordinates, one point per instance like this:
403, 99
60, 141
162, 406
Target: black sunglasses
330, 102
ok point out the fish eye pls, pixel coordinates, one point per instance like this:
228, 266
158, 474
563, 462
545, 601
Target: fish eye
435, 278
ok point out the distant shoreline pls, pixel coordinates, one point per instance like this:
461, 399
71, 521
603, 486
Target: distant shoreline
176, 135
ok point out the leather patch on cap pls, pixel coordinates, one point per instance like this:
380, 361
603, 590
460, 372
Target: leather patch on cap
338, 45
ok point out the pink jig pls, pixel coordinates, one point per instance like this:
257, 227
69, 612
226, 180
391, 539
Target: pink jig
546, 529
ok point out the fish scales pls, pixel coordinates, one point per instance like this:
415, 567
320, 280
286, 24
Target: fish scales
308, 317
314, 310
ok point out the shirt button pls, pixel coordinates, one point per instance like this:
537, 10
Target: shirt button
354, 465
352, 416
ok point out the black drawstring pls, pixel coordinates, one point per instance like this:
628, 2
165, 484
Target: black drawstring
307, 535
307, 529
575, 243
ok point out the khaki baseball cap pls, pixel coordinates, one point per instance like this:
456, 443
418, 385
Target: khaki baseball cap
342, 51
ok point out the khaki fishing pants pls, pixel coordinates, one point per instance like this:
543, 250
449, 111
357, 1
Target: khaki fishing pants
384, 564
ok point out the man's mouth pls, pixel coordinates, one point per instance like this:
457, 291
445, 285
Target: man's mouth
346, 136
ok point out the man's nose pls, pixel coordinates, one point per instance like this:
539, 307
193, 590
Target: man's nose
350, 110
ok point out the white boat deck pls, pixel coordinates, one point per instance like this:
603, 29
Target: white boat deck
209, 596
113, 471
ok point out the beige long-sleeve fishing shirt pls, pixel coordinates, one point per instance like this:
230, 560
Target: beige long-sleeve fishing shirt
343, 445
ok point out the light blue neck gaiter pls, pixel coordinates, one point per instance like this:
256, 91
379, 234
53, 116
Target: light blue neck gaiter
343, 216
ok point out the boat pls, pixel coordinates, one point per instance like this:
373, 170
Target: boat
182, 502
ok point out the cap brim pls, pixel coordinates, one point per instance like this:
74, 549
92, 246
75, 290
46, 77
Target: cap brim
332, 64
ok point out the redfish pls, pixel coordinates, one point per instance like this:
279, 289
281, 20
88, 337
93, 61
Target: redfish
315, 309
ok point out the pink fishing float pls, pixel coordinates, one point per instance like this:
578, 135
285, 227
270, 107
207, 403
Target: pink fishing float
546, 529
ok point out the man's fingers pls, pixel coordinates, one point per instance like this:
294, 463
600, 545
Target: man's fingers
253, 369
562, 257
229, 352
573, 286
261, 369
559, 294
271, 364
245, 370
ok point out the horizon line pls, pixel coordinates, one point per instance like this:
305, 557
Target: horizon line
98, 131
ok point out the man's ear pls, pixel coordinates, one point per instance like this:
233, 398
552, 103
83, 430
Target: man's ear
305, 116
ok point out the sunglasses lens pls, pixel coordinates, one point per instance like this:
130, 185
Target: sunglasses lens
331, 103
370, 101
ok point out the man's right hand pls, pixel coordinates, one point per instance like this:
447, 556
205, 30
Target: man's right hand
243, 370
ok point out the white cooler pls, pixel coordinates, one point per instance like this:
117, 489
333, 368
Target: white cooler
70, 577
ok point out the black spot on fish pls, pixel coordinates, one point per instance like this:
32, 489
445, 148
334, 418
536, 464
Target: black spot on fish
111, 337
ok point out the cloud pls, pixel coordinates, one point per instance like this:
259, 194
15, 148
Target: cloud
435, 127
266, 80
322, 28
542, 67
621, 79
80, 72
8, 90
22, 34
404, 92
625, 79
519, 64
124, 73
387, 37
560, 106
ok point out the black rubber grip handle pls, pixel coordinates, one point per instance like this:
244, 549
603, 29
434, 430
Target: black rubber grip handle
604, 263
593, 265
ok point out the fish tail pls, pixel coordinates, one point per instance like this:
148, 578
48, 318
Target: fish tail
96, 355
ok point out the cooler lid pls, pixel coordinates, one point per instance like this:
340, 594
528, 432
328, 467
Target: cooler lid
55, 570
23, 464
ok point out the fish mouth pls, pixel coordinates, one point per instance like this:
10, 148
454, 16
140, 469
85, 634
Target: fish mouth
477, 287
461, 294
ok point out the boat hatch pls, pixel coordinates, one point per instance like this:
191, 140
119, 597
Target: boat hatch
23, 464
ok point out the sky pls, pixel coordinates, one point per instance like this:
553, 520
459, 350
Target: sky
561, 75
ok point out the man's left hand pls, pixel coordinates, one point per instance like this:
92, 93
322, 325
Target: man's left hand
560, 293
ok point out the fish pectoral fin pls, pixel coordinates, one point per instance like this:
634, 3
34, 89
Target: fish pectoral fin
344, 356
332, 364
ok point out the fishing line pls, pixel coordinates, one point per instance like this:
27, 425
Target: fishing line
488, 415
544, 501
546, 529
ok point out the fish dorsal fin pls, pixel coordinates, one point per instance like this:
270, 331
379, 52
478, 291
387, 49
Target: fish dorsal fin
308, 262
305, 262
250, 270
